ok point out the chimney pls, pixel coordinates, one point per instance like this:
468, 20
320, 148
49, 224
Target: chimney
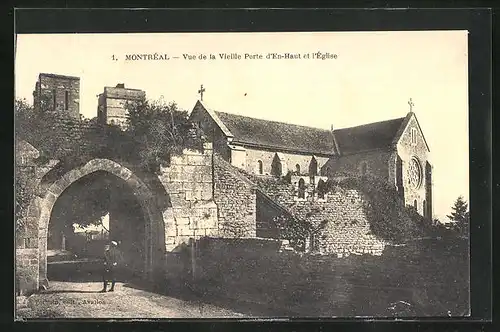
120, 85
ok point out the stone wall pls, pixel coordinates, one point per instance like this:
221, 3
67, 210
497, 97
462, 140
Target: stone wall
30, 174
27, 270
27, 236
193, 212
66, 131
236, 201
430, 275
347, 229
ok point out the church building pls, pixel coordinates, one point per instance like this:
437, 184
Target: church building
392, 150
265, 147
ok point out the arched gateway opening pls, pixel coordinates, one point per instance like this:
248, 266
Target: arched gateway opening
103, 188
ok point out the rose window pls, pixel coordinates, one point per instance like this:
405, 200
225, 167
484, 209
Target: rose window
415, 173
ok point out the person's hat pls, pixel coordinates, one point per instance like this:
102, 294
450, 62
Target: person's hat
114, 243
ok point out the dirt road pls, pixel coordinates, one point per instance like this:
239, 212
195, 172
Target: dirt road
83, 300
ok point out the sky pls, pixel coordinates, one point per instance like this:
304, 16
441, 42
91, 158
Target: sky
371, 79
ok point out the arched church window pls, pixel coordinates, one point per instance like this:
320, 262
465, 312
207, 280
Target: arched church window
277, 165
415, 205
260, 167
321, 189
297, 169
313, 167
302, 188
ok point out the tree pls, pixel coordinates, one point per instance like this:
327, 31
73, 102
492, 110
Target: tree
160, 130
460, 216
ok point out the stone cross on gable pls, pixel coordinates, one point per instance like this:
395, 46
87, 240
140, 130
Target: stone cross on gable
410, 102
202, 89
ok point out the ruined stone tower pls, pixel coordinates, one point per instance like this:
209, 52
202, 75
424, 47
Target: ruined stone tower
57, 93
112, 102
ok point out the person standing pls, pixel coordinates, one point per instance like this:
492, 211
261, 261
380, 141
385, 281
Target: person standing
111, 258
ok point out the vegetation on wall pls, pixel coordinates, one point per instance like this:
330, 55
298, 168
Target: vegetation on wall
388, 218
155, 130
300, 224
57, 135
24, 194
159, 130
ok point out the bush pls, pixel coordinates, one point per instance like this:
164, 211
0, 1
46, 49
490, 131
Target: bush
384, 209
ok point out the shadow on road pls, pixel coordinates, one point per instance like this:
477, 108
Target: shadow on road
186, 293
56, 291
82, 271
85, 272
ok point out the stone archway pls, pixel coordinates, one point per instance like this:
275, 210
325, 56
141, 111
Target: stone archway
154, 236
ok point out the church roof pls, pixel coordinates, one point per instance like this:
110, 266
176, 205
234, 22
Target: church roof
371, 136
289, 137
279, 135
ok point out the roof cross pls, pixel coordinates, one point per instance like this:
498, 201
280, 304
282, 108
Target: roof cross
410, 102
202, 89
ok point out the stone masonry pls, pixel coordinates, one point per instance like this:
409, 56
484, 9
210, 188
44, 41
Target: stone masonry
190, 214
236, 201
111, 107
27, 237
58, 93
188, 182
347, 229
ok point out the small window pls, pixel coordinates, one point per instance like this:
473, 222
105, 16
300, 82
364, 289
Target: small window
302, 188
260, 167
297, 169
413, 136
66, 100
313, 167
415, 205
